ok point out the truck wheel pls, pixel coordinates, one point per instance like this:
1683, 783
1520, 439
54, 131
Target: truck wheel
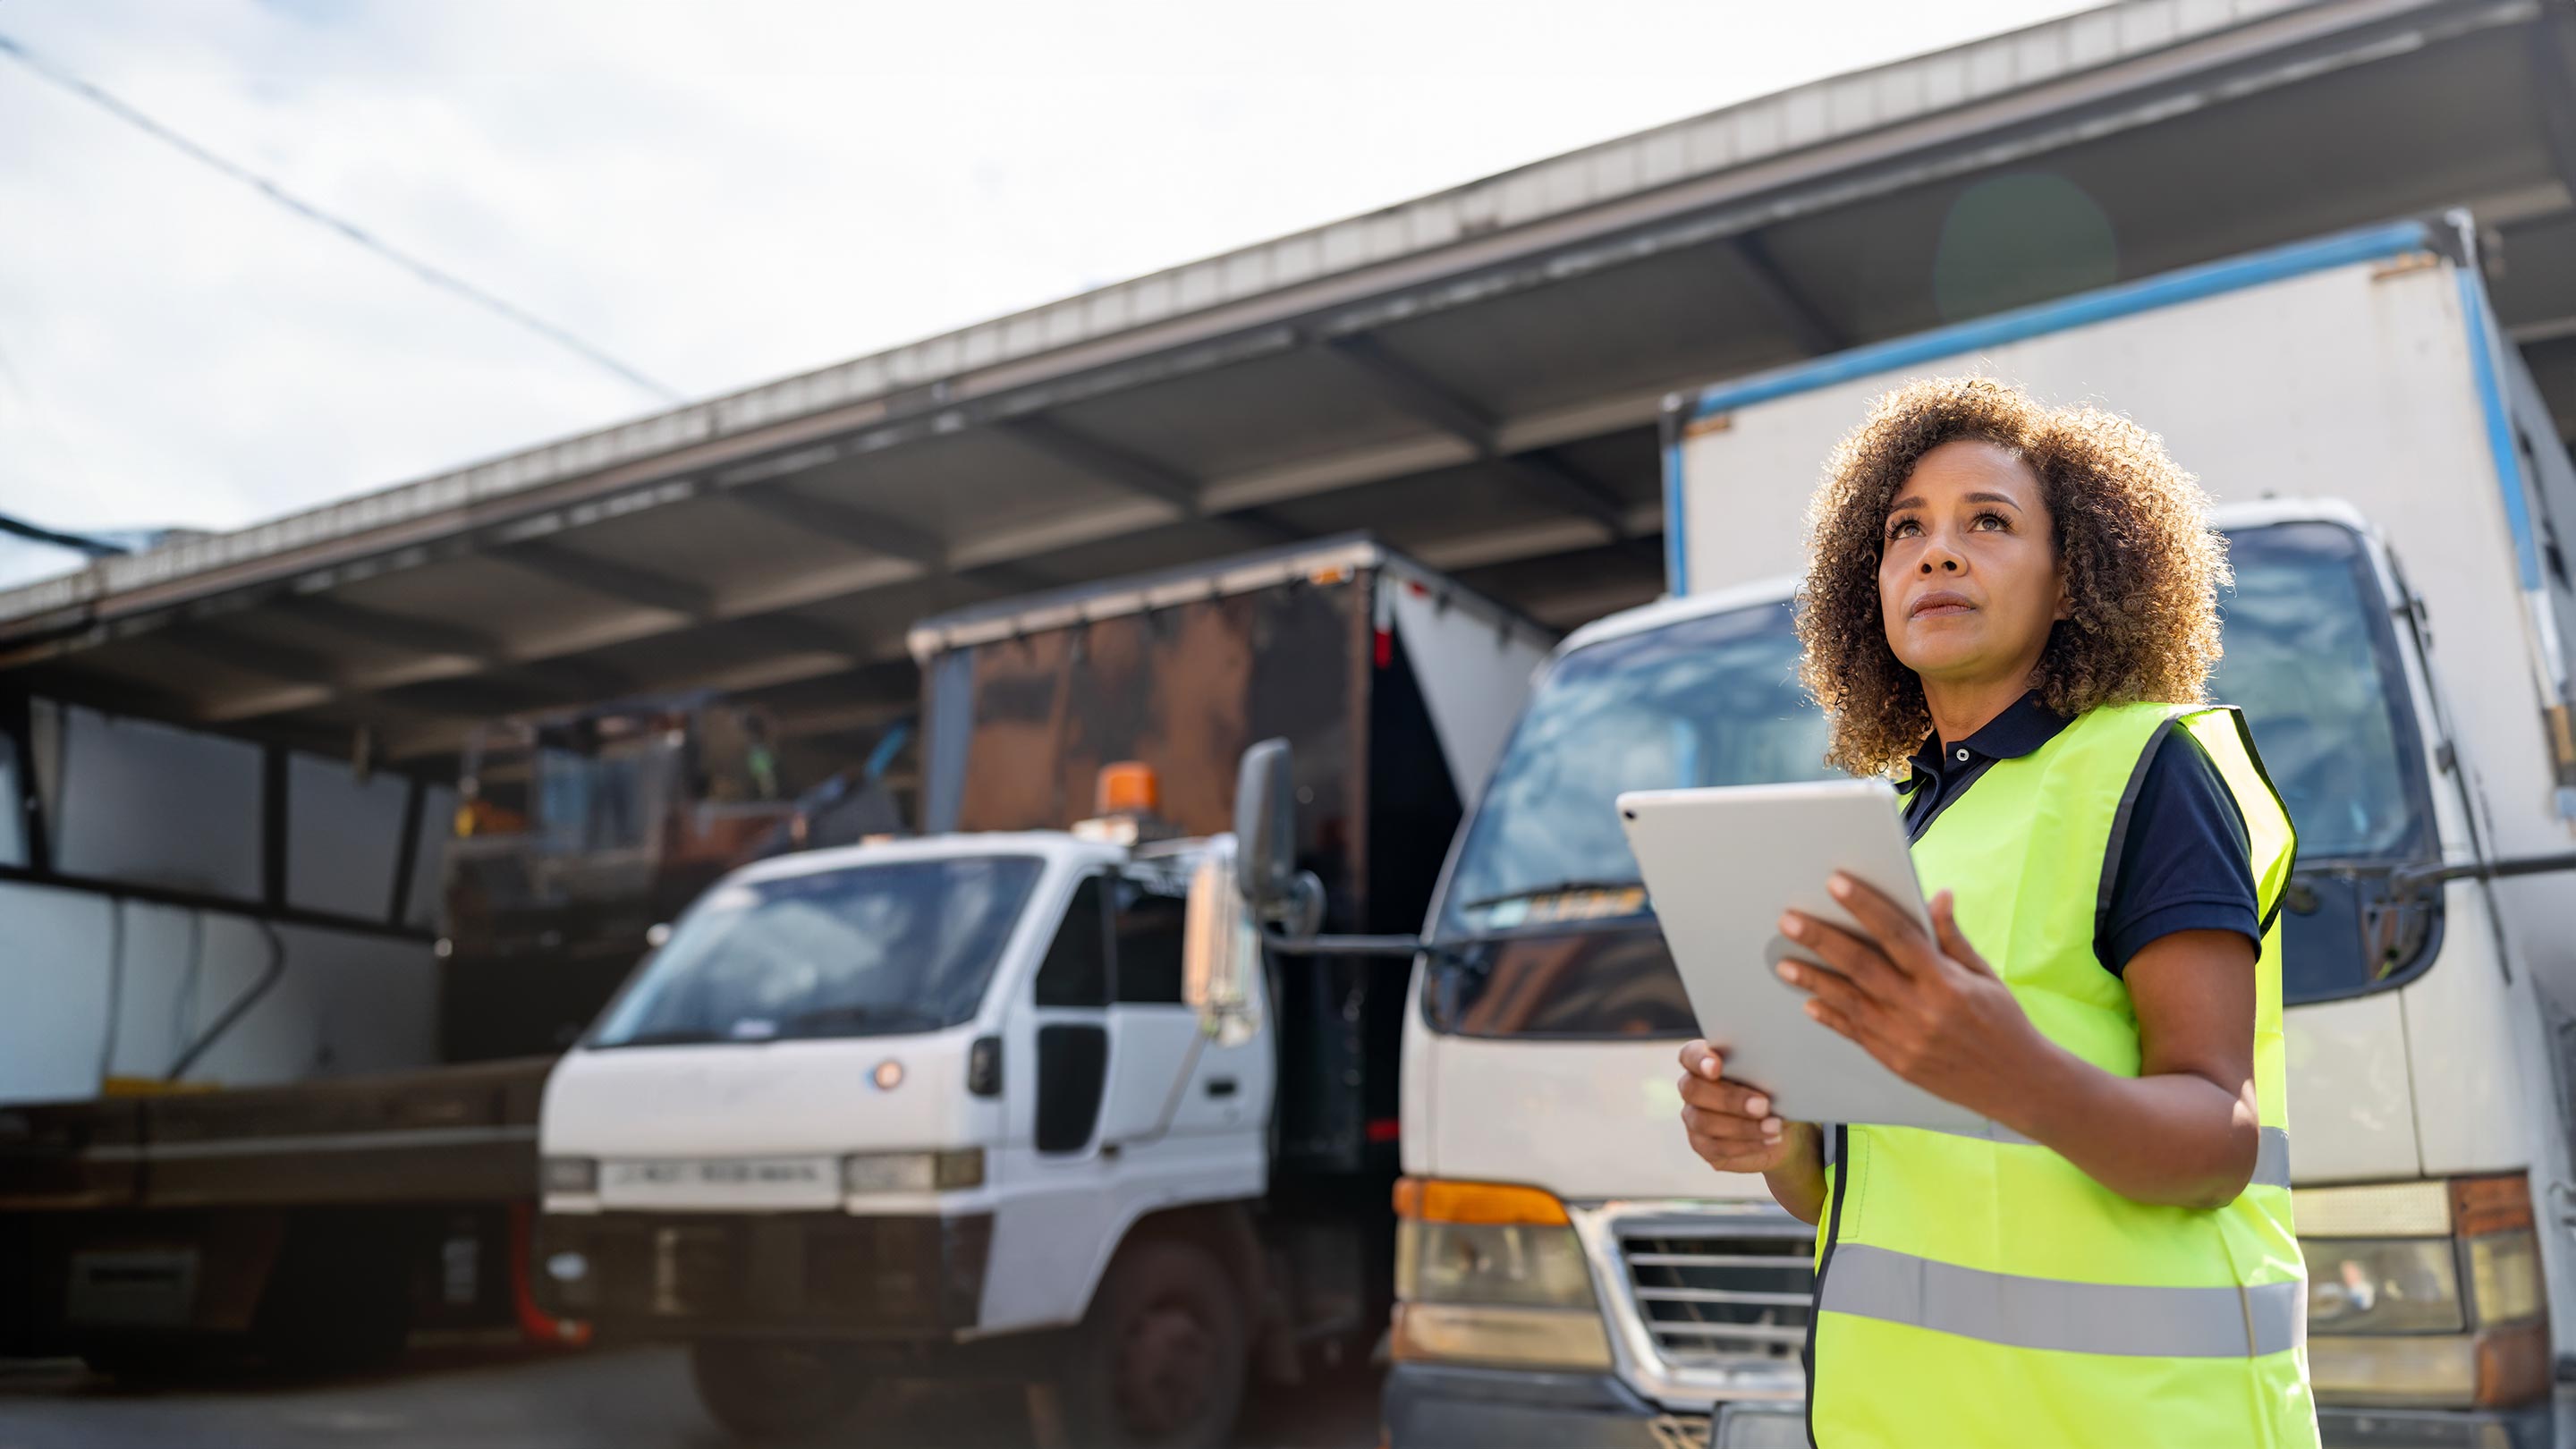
1162, 1356
766, 1392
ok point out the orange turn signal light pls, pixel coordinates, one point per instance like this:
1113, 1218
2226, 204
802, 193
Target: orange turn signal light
1433, 1200
2489, 1204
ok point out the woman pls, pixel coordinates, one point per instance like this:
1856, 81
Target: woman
2015, 608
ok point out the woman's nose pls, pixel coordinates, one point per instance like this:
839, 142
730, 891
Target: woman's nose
1943, 562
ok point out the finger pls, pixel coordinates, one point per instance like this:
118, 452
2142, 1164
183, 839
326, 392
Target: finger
1745, 1139
1954, 943
1699, 1059
1858, 958
1887, 923
1730, 1157
1741, 1131
1845, 999
1734, 1098
1819, 1011
1726, 1158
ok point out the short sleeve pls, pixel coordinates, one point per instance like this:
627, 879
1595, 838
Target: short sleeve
2185, 861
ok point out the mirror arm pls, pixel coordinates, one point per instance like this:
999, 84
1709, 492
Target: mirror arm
2419, 879
1383, 946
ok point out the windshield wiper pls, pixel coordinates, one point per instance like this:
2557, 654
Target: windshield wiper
1554, 888
896, 1018
673, 1036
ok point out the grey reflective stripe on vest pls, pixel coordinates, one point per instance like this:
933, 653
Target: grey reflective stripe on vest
2271, 1152
2272, 1159
2046, 1313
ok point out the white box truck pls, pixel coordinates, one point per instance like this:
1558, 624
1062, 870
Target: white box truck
1021, 1100
2399, 512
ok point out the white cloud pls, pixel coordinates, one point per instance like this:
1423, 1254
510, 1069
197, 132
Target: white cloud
716, 193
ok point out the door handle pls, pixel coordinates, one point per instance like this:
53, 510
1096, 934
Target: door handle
1220, 1086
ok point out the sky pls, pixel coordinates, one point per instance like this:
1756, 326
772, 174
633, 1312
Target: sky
716, 193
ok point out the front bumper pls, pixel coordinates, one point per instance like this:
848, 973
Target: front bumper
2528, 1428
1436, 1406
823, 1274
1440, 1407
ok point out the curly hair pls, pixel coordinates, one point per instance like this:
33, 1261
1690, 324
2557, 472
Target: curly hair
2143, 566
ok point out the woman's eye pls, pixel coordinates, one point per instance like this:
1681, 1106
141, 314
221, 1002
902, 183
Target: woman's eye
1996, 519
1904, 528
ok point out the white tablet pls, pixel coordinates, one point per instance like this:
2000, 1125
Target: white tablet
1720, 865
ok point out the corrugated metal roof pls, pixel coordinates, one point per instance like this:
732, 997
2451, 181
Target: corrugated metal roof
1736, 138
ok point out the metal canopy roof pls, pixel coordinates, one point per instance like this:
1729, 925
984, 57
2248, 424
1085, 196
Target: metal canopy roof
1473, 376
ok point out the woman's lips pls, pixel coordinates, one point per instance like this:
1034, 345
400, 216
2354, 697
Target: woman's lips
1940, 601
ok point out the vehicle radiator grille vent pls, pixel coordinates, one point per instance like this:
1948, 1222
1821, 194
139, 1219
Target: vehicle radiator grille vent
1710, 1299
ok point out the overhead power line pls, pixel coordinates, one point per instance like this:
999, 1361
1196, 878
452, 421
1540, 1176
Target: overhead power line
94, 547
428, 272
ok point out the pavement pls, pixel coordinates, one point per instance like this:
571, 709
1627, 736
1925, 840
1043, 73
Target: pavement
634, 1398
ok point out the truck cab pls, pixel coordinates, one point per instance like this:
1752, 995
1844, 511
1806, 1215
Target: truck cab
873, 1109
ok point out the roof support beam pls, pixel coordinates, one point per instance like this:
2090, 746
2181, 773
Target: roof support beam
548, 678
379, 626
1814, 332
796, 634
1138, 474
857, 527
277, 661
1132, 471
615, 580
1551, 478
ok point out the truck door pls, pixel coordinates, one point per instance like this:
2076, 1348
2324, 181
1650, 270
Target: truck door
1154, 1035
1128, 1097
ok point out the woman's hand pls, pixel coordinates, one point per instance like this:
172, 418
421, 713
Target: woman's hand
1928, 1007
1732, 1128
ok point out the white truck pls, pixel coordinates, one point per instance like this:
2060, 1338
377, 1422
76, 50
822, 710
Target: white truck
1021, 1102
2399, 635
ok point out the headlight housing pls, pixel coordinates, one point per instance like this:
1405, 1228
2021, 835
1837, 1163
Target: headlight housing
2425, 1293
871, 1173
570, 1176
1492, 1274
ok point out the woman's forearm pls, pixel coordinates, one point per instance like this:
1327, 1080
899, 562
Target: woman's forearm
2175, 1138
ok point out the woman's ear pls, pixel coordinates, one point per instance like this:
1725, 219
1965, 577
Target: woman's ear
2065, 594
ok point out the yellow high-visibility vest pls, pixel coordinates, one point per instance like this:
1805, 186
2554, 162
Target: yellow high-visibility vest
1979, 1289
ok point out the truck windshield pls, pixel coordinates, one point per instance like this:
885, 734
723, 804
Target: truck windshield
1708, 701
2311, 657
903, 946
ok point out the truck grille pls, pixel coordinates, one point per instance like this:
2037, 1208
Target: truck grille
1709, 1299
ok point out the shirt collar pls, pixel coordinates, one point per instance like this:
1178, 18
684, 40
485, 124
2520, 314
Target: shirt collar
2024, 726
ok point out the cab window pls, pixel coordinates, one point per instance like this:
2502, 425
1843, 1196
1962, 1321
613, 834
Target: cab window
1076, 970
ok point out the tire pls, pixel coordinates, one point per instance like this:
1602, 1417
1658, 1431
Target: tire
1162, 1356
782, 1392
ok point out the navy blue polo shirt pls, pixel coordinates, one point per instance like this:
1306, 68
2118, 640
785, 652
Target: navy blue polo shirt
2186, 863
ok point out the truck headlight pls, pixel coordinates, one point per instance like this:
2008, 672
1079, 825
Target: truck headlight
2424, 1293
899, 1172
570, 1175
1492, 1274
2384, 1285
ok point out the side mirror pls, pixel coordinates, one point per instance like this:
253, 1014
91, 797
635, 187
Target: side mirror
1220, 952
1265, 826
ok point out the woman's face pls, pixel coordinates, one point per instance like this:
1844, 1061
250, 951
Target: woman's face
1969, 582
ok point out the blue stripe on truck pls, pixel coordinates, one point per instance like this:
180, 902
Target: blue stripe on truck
1676, 551
2484, 339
